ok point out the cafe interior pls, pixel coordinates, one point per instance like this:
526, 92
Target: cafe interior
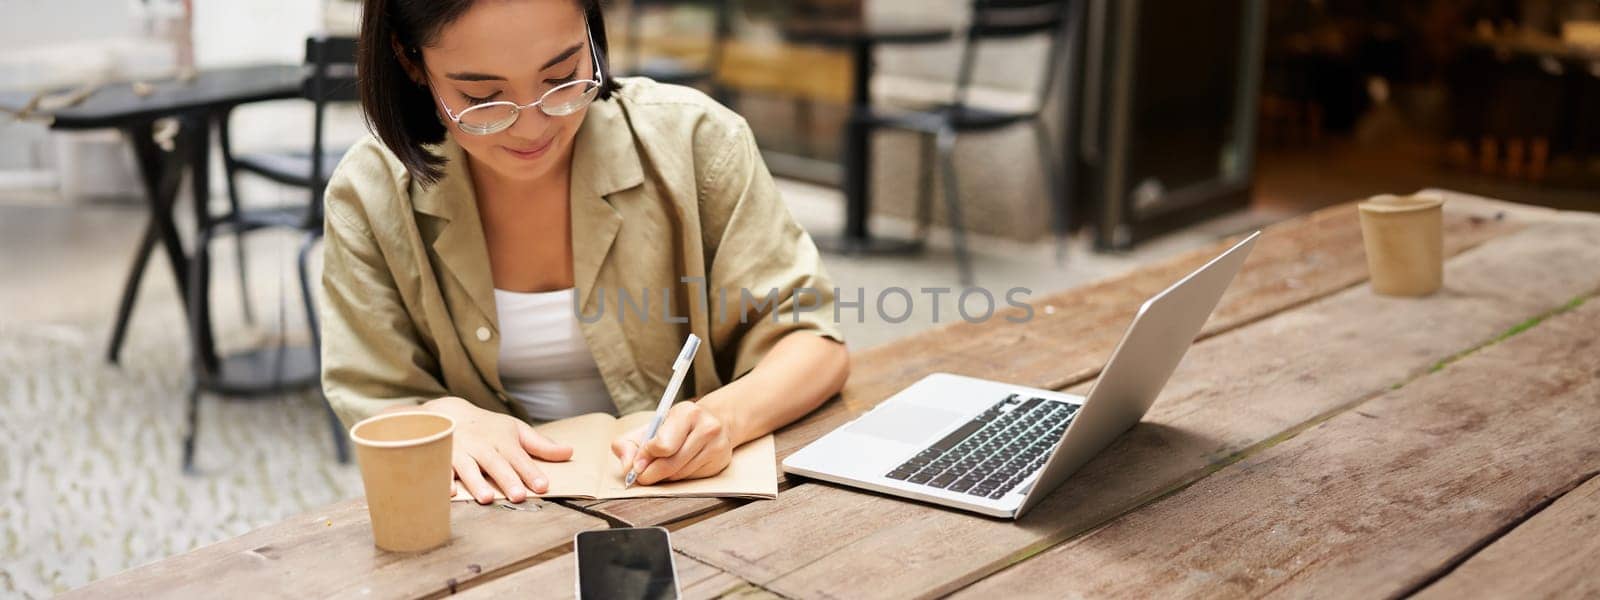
164, 161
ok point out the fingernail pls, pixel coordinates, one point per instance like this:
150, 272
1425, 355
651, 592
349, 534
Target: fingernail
540, 485
517, 491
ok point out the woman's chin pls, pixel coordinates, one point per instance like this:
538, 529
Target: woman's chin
518, 169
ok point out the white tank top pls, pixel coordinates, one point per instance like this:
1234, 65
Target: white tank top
545, 365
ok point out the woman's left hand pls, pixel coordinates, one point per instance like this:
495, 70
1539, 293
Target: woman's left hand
691, 443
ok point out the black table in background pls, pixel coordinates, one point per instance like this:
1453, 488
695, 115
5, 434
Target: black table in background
862, 37
195, 103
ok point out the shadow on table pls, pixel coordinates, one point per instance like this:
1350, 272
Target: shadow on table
1111, 483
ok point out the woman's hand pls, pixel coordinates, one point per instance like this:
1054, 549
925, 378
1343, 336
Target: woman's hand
501, 446
691, 443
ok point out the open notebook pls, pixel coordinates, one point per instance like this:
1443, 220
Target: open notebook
595, 473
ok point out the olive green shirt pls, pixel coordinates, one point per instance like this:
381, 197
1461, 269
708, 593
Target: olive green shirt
676, 228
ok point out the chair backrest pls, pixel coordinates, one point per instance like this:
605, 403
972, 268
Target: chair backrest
332, 69
1012, 19
330, 77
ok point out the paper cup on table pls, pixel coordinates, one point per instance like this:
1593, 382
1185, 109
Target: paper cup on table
405, 467
1404, 240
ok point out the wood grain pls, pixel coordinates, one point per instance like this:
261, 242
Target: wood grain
1293, 263
1379, 499
1555, 554
555, 579
1233, 392
330, 553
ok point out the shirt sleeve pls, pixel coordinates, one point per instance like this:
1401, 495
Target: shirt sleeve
766, 279
372, 358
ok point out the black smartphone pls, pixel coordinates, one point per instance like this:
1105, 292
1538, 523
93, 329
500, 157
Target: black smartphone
626, 563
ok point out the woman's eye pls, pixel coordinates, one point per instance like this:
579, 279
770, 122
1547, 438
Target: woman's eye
565, 79
477, 100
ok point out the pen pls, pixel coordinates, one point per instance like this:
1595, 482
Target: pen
679, 368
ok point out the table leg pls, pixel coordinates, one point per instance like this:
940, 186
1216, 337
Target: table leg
857, 187
197, 127
160, 177
858, 146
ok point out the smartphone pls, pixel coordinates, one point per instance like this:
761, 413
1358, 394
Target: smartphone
625, 563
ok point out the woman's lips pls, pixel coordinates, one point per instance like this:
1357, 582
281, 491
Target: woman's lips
529, 153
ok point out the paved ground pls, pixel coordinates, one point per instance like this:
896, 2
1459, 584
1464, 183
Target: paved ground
89, 478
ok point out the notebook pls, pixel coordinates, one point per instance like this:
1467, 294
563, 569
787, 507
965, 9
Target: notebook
594, 473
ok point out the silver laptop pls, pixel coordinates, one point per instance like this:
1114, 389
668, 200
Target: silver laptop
996, 448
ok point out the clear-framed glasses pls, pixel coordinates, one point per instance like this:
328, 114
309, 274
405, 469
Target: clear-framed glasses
560, 101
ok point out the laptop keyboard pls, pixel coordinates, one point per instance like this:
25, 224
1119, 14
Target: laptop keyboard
992, 453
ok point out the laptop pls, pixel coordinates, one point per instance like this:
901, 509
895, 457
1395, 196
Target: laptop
997, 449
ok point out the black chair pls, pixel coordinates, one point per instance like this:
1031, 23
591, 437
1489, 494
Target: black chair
940, 124
331, 77
671, 70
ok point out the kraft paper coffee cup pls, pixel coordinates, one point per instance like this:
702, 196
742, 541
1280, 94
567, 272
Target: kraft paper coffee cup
1404, 240
405, 467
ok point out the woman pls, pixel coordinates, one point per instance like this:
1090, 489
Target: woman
488, 254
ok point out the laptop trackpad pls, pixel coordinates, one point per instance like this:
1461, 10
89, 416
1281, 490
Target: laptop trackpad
904, 422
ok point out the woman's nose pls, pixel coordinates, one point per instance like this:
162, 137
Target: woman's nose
531, 124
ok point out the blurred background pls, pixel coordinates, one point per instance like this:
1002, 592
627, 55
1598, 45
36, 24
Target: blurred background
1086, 137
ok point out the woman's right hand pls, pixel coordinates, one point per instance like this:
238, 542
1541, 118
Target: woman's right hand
499, 445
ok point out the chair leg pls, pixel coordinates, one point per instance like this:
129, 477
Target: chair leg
244, 285
194, 427
238, 247
946, 141
1061, 206
303, 265
341, 446
925, 185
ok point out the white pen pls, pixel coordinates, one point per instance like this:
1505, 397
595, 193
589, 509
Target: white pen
679, 368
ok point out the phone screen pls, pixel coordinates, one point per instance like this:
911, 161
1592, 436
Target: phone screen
626, 563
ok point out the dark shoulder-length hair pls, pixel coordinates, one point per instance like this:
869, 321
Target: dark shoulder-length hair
400, 111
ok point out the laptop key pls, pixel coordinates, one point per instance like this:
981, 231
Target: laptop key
962, 485
920, 477
943, 480
900, 474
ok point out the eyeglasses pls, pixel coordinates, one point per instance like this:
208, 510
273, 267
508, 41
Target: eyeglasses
560, 101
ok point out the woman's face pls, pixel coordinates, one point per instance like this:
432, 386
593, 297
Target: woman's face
513, 51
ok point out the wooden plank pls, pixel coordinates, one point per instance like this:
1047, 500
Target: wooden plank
330, 553
1293, 263
660, 511
1232, 392
555, 579
1555, 554
1377, 500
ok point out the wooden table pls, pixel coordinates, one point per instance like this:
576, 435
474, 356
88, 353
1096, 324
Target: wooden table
1317, 440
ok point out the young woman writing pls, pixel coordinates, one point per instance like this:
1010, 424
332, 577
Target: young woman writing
487, 251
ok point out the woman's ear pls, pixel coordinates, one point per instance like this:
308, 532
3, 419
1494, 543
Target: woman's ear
407, 60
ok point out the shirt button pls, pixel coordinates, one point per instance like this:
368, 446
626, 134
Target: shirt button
483, 334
